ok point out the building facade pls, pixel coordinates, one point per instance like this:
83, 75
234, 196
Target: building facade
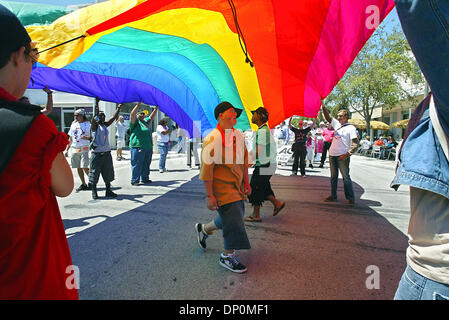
65, 104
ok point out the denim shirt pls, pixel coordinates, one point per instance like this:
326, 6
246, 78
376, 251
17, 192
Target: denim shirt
422, 163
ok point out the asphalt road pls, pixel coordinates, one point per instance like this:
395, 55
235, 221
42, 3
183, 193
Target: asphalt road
142, 244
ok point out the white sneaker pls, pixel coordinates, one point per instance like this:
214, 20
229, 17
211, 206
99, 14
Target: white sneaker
231, 263
200, 235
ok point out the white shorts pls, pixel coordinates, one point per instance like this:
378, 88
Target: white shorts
120, 143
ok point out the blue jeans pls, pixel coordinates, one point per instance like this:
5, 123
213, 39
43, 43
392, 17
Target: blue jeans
414, 286
342, 166
180, 145
140, 164
163, 151
426, 26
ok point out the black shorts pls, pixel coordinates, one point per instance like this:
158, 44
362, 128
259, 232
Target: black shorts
260, 187
101, 163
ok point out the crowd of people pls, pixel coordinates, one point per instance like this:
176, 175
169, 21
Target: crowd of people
34, 252
85, 136
383, 146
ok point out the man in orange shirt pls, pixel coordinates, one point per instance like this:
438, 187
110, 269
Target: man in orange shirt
224, 170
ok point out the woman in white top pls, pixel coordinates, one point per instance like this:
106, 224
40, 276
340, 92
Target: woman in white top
319, 141
163, 137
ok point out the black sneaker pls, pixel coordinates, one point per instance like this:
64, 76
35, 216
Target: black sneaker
110, 193
231, 263
136, 183
94, 193
82, 187
200, 235
320, 166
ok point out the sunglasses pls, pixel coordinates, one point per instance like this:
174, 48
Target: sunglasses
34, 55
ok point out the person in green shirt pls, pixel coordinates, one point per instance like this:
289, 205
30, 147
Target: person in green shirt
141, 145
264, 151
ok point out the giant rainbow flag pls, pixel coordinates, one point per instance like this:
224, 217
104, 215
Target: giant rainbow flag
189, 55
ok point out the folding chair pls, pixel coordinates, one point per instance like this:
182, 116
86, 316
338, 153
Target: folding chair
391, 152
365, 152
376, 150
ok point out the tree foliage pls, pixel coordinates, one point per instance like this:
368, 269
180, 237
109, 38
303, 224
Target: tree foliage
383, 73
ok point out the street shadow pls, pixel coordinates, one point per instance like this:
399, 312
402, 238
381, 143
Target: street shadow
159, 183
145, 189
81, 222
311, 250
171, 170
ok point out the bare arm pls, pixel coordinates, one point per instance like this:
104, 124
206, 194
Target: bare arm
49, 107
353, 148
114, 117
68, 146
96, 108
211, 200
325, 112
61, 176
93, 123
133, 114
153, 114
246, 185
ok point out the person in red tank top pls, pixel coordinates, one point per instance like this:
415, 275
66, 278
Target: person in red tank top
35, 261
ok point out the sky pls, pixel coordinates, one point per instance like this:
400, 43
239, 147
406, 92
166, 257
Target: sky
392, 20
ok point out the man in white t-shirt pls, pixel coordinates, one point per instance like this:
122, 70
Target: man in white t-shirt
79, 136
344, 144
163, 138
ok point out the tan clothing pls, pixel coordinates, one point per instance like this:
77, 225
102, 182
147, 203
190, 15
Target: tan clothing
225, 165
428, 251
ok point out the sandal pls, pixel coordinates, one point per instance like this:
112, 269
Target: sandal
252, 219
277, 210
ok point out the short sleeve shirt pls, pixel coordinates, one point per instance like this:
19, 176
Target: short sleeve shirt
262, 144
121, 130
227, 179
328, 134
77, 131
343, 135
300, 135
162, 137
140, 135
